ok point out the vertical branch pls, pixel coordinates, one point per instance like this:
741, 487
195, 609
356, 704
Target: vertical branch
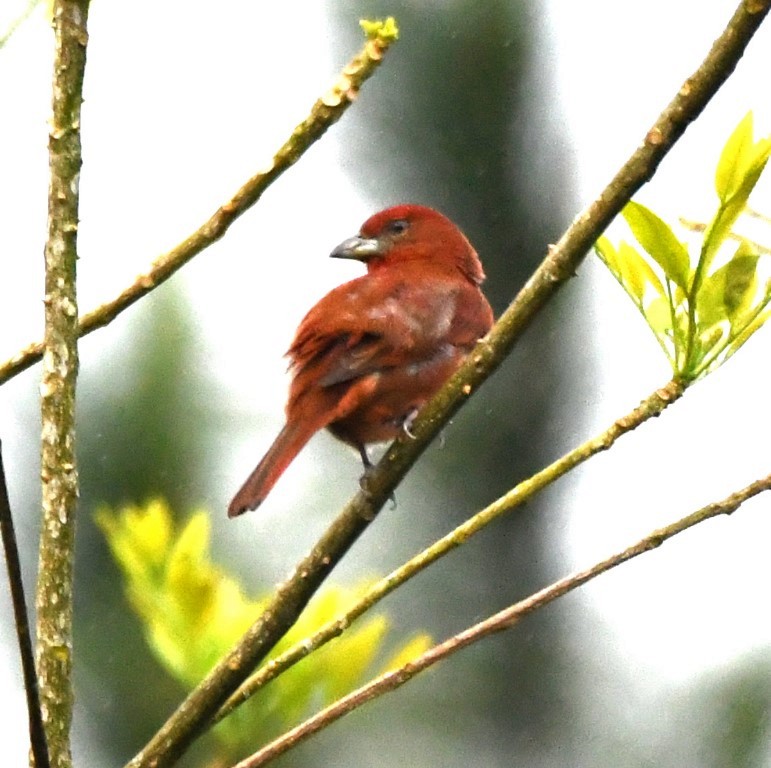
36, 733
57, 388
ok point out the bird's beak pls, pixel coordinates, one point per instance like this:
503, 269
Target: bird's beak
359, 248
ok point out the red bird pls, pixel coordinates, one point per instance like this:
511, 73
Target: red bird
369, 355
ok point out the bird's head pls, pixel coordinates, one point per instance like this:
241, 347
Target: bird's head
410, 233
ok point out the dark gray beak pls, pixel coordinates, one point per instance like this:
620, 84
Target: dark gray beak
359, 248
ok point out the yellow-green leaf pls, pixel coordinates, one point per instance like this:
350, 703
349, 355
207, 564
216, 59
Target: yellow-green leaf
741, 165
385, 29
710, 303
741, 282
727, 295
630, 269
636, 273
138, 537
607, 253
657, 238
659, 316
731, 166
748, 331
192, 613
711, 338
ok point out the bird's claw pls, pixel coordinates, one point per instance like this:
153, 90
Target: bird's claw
409, 420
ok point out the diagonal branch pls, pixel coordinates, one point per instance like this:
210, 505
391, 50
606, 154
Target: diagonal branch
9, 31
499, 622
564, 258
324, 113
193, 715
651, 407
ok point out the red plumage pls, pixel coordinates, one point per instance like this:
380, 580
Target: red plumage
368, 356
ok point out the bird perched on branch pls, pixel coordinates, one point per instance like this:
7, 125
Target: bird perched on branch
374, 350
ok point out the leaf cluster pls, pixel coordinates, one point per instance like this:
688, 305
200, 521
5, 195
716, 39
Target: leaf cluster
700, 314
192, 613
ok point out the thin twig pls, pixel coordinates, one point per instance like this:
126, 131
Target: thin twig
6, 35
37, 736
698, 226
759, 215
503, 620
57, 387
561, 263
651, 407
324, 113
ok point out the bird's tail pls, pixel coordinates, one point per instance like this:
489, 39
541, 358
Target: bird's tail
280, 455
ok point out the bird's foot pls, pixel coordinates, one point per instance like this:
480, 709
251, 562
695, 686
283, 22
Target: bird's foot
407, 423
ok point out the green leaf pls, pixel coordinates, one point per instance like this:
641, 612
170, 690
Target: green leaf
699, 317
637, 274
659, 316
707, 347
138, 538
730, 167
710, 306
709, 339
607, 253
630, 269
741, 164
717, 231
748, 330
193, 613
657, 238
741, 282
728, 293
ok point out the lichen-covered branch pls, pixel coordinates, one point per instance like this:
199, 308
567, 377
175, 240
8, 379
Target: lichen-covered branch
57, 387
324, 113
499, 622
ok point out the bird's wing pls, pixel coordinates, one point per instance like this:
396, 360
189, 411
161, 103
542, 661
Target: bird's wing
368, 325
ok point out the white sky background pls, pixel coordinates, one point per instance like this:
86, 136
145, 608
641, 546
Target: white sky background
694, 609
154, 171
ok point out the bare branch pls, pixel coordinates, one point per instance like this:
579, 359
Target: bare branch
37, 736
651, 407
503, 620
8, 32
699, 226
324, 113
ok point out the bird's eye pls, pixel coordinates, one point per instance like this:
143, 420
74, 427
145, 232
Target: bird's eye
397, 226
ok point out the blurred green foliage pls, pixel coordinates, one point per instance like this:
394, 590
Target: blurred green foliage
193, 613
145, 409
